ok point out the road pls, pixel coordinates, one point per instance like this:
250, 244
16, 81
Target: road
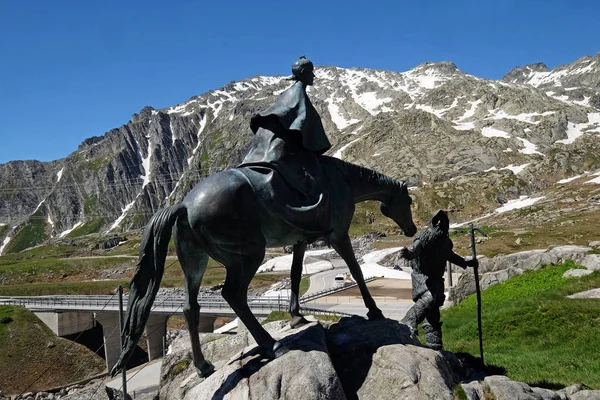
325, 280
142, 379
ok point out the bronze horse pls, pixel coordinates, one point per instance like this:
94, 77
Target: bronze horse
223, 217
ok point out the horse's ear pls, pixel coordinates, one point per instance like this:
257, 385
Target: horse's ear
403, 188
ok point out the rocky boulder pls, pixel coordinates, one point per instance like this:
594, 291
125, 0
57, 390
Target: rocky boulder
342, 361
351, 359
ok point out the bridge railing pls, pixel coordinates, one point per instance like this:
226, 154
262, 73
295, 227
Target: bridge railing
326, 292
168, 304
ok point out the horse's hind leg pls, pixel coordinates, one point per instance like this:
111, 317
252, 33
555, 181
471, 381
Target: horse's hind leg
235, 291
343, 246
296, 277
193, 261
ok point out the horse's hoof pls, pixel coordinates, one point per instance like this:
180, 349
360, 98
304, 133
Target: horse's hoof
277, 351
374, 315
298, 320
205, 370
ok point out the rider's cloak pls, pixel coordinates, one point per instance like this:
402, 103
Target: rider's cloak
295, 112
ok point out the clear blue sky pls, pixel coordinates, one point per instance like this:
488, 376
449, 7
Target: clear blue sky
73, 69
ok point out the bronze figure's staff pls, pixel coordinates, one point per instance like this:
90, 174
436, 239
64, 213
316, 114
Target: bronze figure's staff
477, 289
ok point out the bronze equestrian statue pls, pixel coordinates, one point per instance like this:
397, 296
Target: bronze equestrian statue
284, 193
429, 253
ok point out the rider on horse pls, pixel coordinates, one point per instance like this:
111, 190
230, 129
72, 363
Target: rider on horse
288, 139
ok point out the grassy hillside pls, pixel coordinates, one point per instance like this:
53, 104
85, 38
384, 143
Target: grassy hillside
532, 330
28, 359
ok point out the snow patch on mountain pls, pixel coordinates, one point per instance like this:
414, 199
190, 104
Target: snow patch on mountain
336, 116
370, 102
4, 244
529, 148
516, 168
567, 180
65, 233
523, 117
124, 212
173, 137
574, 130
146, 164
488, 131
340, 152
59, 174
521, 202
200, 130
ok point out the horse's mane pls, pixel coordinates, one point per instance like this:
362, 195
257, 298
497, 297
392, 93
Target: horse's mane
367, 174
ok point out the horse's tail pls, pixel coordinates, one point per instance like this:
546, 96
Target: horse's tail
146, 280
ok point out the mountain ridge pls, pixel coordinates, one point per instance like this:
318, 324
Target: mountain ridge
430, 124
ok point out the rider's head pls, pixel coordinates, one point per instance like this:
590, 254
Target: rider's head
441, 220
302, 70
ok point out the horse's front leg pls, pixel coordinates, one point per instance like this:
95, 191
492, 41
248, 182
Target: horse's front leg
296, 276
344, 248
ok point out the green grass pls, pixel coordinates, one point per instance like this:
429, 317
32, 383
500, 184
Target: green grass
32, 233
25, 355
62, 288
369, 210
178, 368
91, 226
284, 316
16, 269
531, 329
304, 285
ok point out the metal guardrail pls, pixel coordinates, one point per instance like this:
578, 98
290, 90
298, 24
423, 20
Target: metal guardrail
325, 312
326, 292
84, 305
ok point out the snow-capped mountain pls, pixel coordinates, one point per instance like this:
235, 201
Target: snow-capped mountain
431, 124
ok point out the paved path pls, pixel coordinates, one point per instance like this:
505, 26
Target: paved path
142, 379
325, 280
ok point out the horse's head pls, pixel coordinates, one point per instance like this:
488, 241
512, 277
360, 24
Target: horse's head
398, 209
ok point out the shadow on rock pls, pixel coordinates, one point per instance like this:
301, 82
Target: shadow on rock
305, 371
472, 363
352, 343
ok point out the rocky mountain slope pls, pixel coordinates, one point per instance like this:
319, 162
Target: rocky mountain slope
467, 144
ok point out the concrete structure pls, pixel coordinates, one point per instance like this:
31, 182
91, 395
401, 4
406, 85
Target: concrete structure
156, 330
68, 315
110, 331
66, 323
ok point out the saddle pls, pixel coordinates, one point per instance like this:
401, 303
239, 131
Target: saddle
284, 193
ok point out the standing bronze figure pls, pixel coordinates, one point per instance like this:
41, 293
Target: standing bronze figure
429, 253
273, 199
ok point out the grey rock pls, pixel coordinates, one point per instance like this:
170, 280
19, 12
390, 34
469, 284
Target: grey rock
473, 390
586, 395
591, 262
252, 377
571, 390
505, 389
588, 294
577, 273
366, 362
547, 394
595, 243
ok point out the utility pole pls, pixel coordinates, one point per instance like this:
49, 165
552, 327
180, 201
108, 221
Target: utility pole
124, 372
449, 273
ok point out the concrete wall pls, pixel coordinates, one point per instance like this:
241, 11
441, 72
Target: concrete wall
67, 323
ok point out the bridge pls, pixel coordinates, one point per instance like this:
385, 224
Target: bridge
69, 315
